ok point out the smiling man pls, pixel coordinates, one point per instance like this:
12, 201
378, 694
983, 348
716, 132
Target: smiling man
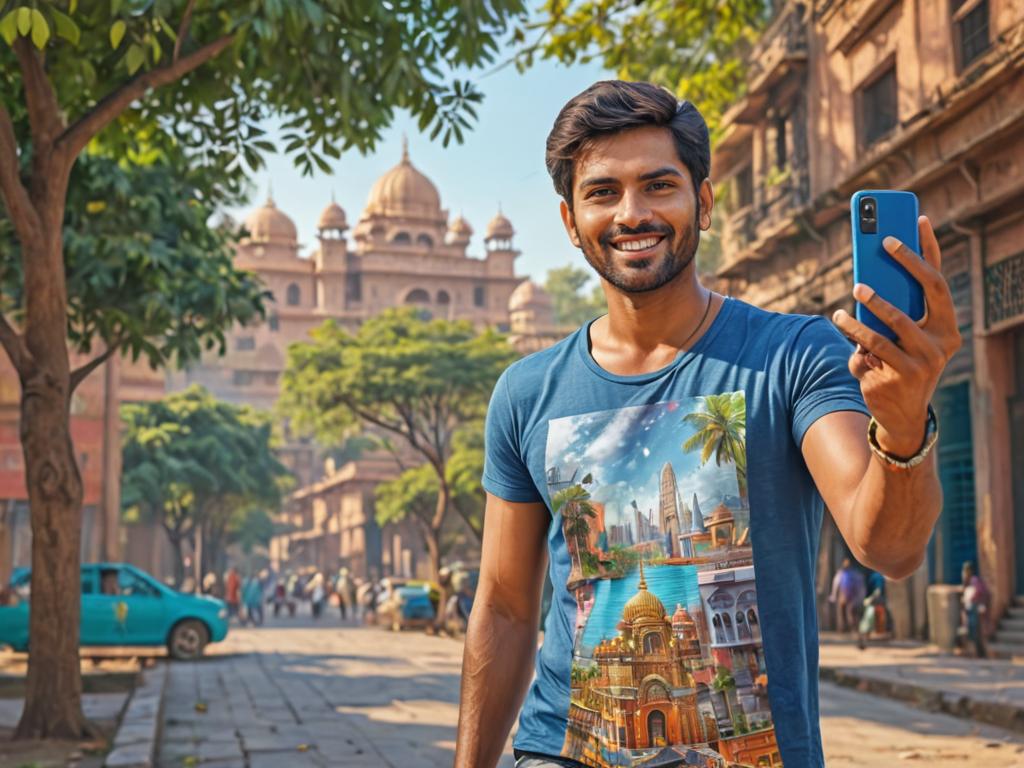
672, 459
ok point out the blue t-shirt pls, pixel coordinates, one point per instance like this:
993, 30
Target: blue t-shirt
669, 491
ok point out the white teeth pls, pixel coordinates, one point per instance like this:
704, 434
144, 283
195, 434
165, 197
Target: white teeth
637, 245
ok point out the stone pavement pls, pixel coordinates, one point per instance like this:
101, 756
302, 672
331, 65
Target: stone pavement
989, 691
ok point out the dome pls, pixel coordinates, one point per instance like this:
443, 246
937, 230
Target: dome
644, 604
499, 227
268, 224
404, 191
460, 226
333, 217
528, 293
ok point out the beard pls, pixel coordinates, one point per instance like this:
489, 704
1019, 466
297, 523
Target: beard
643, 275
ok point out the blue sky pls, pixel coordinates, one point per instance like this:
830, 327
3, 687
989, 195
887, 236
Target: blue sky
625, 450
501, 162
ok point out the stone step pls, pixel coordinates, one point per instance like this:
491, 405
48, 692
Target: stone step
1009, 636
1018, 600
1006, 651
1012, 625
1015, 612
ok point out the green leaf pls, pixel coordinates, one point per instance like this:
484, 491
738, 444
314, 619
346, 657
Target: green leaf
66, 27
24, 20
72, 6
135, 58
117, 30
40, 29
9, 27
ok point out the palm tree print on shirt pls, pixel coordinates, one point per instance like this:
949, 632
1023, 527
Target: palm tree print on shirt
721, 431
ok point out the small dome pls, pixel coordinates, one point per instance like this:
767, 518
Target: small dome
644, 604
268, 224
404, 191
499, 228
681, 616
529, 294
333, 217
460, 226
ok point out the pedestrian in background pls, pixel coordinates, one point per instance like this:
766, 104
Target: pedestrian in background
974, 607
317, 594
343, 588
233, 592
252, 596
848, 595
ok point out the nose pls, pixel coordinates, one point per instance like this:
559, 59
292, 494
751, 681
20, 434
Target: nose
632, 210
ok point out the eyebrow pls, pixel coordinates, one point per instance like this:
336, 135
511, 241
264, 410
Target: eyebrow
655, 174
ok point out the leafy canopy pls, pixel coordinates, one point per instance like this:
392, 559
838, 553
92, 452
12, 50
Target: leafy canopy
694, 48
573, 306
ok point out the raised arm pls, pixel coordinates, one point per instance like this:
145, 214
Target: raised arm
885, 512
501, 639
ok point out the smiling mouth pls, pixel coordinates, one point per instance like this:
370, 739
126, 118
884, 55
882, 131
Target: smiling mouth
638, 245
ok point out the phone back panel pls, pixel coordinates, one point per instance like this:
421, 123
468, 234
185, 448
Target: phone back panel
872, 265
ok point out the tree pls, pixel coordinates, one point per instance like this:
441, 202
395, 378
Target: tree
140, 79
573, 503
696, 49
721, 431
199, 466
400, 376
572, 306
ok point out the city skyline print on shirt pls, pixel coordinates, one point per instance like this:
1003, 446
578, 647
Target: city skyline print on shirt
668, 667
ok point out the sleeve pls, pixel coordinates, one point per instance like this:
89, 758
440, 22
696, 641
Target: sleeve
819, 380
505, 472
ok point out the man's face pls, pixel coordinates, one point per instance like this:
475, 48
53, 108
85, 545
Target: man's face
634, 212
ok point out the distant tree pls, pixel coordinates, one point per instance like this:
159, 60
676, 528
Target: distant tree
696, 49
574, 306
199, 466
139, 80
420, 381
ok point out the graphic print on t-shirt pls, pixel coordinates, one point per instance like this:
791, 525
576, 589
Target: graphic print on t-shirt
668, 667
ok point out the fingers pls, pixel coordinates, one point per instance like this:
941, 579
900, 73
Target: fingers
860, 334
862, 361
908, 333
937, 296
929, 244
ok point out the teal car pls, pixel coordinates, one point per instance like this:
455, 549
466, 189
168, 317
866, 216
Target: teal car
122, 605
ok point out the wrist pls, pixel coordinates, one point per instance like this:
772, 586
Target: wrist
898, 455
905, 443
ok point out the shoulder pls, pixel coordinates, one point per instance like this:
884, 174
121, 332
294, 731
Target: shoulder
526, 378
778, 326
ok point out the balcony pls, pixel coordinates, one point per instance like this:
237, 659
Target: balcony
781, 50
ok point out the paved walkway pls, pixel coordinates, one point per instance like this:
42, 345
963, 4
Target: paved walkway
991, 691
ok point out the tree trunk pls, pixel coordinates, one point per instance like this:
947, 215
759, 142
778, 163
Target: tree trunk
6, 564
53, 697
176, 539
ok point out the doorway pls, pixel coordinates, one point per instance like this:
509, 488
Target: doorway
1016, 411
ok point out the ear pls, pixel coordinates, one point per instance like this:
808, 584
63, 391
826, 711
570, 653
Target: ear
707, 203
569, 222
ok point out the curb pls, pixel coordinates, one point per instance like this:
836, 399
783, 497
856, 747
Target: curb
135, 741
988, 711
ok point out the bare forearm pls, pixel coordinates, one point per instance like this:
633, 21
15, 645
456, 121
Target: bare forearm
496, 669
893, 515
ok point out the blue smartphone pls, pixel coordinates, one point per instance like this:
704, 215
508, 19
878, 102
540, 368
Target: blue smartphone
874, 215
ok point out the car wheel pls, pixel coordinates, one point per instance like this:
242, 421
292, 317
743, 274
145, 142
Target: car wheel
188, 640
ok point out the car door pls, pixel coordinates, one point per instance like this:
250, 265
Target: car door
95, 623
143, 608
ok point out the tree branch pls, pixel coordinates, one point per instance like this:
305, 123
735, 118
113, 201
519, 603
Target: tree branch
43, 110
16, 198
14, 343
114, 103
80, 374
186, 21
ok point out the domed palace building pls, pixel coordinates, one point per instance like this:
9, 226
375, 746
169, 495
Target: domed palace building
404, 250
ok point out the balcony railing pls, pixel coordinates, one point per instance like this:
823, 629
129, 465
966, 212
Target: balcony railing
782, 46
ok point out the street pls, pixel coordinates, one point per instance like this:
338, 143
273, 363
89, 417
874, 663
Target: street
300, 694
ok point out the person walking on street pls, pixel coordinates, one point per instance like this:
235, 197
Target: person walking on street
317, 594
847, 595
342, 588
252, 597
975, 601
774, 417
233, 592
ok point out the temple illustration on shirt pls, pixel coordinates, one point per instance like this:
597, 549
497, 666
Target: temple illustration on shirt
668, 665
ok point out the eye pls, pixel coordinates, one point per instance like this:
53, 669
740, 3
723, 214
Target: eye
657, 186
601, 192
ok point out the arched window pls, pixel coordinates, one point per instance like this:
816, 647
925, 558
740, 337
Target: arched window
425, 240
742, 630
727, 625
294, 295
402, 238
417, 296
755, 625
716, 622
443, 297
656, 728
653, 644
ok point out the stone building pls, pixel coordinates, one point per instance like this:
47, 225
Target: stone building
404, 250
929, 97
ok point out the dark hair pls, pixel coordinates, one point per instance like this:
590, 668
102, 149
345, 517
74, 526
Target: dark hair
611, 106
